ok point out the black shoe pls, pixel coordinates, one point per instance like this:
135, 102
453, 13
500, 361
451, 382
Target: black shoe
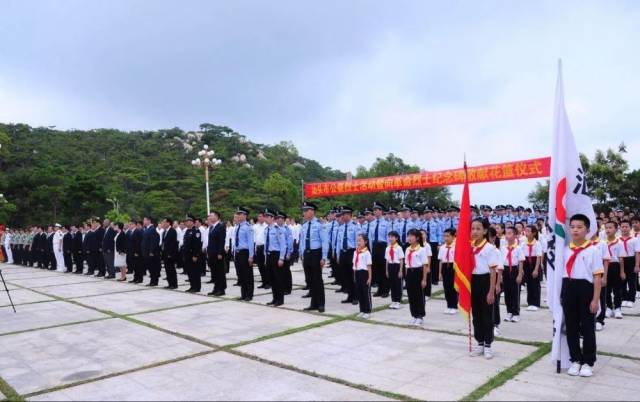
186, 280
335, 283
248, 299
267, 287
211, 281
212, 294
192, 291
271, 303
204, 274
278, 304
287, 293
339, 291
305, 288
345, 301
261, 287
377, 294
110, 277
384, 295
236, 284
166, 287
306, 296
354, 302
310, 308
221, 293
151, 285
89, 273
133, 281
320, 309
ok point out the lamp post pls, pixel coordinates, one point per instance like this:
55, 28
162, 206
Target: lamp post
205, 159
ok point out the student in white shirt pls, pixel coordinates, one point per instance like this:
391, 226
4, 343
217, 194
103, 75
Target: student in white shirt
532, 260
362, 275
394, 256
512, 274
631, 263
492, 237
483, 289
445, 258
615, 273
581, 285
604, 254
417, 259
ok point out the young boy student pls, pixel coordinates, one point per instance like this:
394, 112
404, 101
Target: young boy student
580, 296
512, 260
604, 254
615, 274
631, 262
445, 268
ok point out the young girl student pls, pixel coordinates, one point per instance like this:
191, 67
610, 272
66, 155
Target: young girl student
362, 275
483, 290
445, 268
492, 237
580, 296
417, 259
532, 260
604, 254
615, 274
394, 255
427, 289
512, 274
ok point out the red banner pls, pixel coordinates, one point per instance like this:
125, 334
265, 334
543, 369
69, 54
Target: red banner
527, 169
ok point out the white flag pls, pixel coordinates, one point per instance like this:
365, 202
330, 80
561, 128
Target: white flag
568, 196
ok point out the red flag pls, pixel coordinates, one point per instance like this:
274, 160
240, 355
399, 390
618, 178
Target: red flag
463, 257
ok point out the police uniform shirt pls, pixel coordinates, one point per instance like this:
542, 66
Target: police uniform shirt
398, 254
446, 252
317, 237
434, 230
417, 257
379, 227
588, 262
361, 260
288, 238
243, 238
517, 255
629, 246
351, 232
486, 258
614, 250
275, 241
531, 250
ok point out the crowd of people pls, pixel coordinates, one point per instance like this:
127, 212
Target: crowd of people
386, 248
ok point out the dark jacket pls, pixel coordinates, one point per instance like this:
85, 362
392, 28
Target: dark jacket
121, 243
67, 243
107, 240
150, 242
86, 242
77, 242
136, 243
170, 243
216, 240
97, 237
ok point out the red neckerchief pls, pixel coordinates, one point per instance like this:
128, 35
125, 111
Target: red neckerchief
410, 255
358, 252
576, 250
475, 251
448, 252
392, 252
611, 244
509, 252
530, 246
624, 241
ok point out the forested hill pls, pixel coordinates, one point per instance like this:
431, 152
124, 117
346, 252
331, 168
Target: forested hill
68, 176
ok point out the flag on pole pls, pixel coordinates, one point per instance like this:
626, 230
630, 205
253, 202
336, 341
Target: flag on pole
462, 258
568, 196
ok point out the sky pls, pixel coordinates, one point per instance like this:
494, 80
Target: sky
345, 81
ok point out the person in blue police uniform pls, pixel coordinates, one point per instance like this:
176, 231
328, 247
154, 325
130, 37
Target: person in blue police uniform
451, 220
368, 218
314, 247
281, 218
404, 225
529, 216
509, 216
275, 250
192, 252
243, 253
330, 227
346, 245
392, 218
378, 234
434, 238
498, 217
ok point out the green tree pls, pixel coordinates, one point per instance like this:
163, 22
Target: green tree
539, 196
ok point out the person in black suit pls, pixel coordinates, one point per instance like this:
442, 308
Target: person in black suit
108, 246
97, 238
87, 247
78, 250
128, 235
137, 265
38, 245
151, 251
215, 253
170, 252
50, 259
67, 248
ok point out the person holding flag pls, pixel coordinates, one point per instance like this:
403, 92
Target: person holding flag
569, 198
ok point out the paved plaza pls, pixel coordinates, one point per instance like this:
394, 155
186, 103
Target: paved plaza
83, 338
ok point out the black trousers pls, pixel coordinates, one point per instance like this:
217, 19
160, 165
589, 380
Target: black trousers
139, 270
92, 262
152, 263
218, 272
630, 283
450, 293
603, 305
511, 289
435, 275
276, 278
379, 268
68, 261
170, 270
576, 297
333, 261
533, 284
346, 273
307, 274
311, 262
614, 286
482, 313
202, 264
245, 273
363, 291
109, 256
260, 260
78, 261
395, 282
288, 279
100, 267
415, 293
193, 271
496, 310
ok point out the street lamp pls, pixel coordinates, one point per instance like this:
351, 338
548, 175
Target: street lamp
205, 159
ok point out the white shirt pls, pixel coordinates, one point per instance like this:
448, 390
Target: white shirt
614, 250
258, 233
204, 235
602, 248
517, 255
442, 253
631, 247
57, 240
180, 235
363, 258
231, 230
534, 251
295, 231
398, 254
587, 264
417, 258
486, 258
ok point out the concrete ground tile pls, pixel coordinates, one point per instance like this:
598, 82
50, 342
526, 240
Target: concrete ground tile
20, 296
53, 280
137, 302
229, 322
30, 316
212, 377
38, 360
422, 352
540, 382
92, 288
